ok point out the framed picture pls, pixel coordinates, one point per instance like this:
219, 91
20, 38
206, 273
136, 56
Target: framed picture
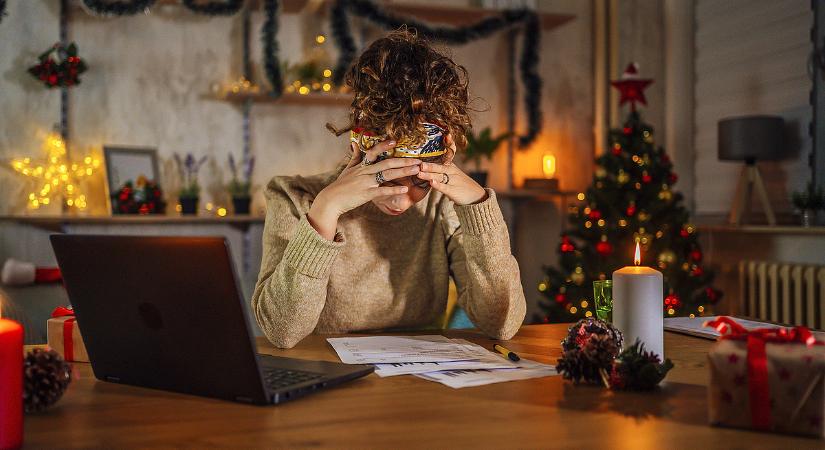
128, 164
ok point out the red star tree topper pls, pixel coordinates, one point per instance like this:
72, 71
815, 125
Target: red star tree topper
631, 87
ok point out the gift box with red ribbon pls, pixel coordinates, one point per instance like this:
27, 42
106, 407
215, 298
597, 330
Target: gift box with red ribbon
64, 337
768, 379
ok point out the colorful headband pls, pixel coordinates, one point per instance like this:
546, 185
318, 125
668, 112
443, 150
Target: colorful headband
432, 145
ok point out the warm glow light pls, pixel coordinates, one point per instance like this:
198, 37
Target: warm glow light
221, 212
303, 90
326, 87
320, 38
548, 166
327, 73
637, 258
580, 196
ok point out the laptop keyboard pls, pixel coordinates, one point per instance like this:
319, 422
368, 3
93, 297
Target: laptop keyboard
277, 378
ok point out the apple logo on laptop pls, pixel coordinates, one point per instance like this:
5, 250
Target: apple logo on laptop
150, 314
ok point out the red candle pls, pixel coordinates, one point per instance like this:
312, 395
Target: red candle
11, 384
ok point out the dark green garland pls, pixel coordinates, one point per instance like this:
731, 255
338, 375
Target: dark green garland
508, 18
119, 7
269, 34
224, 8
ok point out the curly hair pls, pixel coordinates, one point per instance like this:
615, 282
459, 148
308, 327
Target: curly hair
401, 80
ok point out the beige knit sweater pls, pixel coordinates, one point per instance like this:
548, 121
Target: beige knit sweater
382, 271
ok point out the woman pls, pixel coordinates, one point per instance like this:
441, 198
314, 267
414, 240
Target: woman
372, 244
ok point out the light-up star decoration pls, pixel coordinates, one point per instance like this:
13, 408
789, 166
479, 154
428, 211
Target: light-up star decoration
632, 87
57, 176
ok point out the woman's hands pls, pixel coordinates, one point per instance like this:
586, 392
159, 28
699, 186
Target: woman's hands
451, 181
357, 185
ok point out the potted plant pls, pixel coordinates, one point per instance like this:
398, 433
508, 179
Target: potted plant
482, 146
240, 187
189, 194
808, 202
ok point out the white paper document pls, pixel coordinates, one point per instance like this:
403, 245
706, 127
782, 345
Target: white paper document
399, 349
468, 378
453, 362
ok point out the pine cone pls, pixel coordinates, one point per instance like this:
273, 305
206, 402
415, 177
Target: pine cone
45, 377
637, 369
579, 334
587, 363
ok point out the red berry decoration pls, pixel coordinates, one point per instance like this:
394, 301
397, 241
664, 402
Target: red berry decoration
59, 66
566, 245
672, 301
604, 248
595, 214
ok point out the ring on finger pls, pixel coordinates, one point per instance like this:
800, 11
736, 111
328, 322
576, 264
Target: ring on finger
379, 177
445, 179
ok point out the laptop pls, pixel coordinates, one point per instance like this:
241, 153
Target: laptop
166, 313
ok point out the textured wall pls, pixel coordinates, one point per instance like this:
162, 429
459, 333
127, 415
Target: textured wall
149, 77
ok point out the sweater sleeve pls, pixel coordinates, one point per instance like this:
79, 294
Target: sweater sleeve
485, 272
292, 285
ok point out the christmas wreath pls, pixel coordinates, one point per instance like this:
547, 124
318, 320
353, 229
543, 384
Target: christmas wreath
59, 66
144, 197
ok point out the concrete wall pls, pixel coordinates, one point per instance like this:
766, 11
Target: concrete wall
149, 78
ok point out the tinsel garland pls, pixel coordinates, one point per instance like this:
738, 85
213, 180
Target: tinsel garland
119, 7
269, 33
218, 8
528, 62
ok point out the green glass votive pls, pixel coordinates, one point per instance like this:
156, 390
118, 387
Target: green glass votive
603, 298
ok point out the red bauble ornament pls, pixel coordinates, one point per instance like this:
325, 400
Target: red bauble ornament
566, 245
561, 298
672, 178
646, 178
631, 210
672, 301
631, 87
595, 214
604, 248
617, 150
712, 294
627, 130
684, 233
697, 271
696, 255
664, 158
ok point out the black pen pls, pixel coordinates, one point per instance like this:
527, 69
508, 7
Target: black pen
500, 348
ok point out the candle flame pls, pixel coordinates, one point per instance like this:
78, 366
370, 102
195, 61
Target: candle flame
637, 258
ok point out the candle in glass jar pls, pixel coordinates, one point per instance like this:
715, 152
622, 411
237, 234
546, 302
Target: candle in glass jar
11, 384
637, 305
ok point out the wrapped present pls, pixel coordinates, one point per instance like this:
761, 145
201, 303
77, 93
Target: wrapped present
64, 336
767, 379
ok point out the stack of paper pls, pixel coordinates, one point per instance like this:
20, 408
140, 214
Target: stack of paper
453, 362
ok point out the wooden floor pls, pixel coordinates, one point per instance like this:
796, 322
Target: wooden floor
406, 411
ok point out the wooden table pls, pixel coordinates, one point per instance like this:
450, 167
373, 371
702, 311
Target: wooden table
406, 411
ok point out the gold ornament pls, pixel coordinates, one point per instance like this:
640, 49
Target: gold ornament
666, 258
643, 216
623, 177
600, 172
665, 195
577, 277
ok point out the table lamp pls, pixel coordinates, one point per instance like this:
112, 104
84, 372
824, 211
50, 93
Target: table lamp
549, 182
751, 139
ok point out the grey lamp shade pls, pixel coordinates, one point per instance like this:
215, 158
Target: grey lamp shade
750, 138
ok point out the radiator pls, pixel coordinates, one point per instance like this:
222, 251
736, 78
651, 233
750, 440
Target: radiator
786, 293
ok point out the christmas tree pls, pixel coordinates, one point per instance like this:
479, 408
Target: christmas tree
631, 200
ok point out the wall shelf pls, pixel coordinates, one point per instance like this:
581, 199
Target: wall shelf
329, 99
58, 222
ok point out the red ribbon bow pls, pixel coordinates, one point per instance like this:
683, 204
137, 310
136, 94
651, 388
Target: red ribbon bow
68, 324
757, 360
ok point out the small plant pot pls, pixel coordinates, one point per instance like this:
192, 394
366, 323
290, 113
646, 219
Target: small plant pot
189, 206
240, 205
479, 177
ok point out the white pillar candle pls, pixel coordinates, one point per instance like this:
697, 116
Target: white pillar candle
637, 305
